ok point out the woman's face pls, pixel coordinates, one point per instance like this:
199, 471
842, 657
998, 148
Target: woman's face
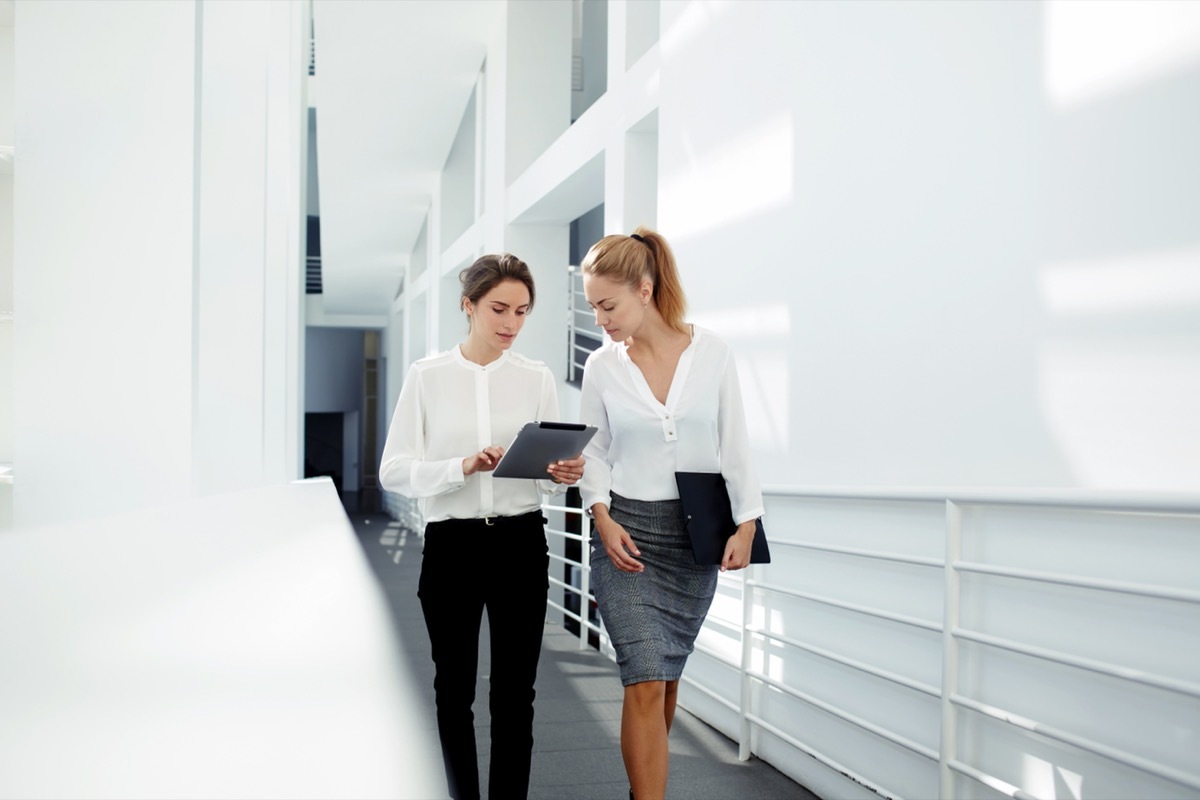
619, 309
497, 317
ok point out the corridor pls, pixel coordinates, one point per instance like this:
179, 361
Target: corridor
578, 713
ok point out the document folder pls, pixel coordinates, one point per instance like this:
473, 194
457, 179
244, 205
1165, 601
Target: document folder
709, 518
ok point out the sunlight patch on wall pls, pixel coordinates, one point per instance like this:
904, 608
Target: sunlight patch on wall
743, 176
1091, 50
1141, 282
1042, 779
697, 16
759, 336
1120, 380
1124, 415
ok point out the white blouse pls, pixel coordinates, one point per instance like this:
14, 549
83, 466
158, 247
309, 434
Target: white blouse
640, 443
451, 408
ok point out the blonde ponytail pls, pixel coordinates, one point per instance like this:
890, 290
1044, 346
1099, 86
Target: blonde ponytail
631, 259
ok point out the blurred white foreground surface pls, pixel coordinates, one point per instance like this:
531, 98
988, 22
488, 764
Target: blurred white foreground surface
232, 646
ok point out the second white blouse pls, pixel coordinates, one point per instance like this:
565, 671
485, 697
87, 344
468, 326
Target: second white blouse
640, 443
450, 408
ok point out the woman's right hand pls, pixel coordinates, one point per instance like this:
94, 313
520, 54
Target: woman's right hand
483, 461
618, 544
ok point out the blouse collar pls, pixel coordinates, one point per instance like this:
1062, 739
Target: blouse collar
466, 362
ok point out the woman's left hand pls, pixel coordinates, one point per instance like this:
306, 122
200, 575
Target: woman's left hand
737, 549
567, 471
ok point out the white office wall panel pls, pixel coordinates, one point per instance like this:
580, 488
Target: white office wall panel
546, 249
538, 100
982, 285
458, 178
230, 283
160, 214
103, 265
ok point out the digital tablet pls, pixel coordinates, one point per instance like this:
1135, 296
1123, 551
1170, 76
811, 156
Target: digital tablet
540, 443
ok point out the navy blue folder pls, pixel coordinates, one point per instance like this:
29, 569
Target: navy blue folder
709, 516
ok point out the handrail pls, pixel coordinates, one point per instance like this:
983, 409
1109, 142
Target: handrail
1091, 499
950, 503
948, 507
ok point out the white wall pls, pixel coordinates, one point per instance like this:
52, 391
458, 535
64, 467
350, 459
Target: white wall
155, 358
458, 179
313, 171
934, 271
103, 262
593, 21
538, 100
6, 263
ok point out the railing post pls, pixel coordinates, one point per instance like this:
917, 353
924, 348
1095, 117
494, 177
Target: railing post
571, 323
744, 700
585, 578
951, 606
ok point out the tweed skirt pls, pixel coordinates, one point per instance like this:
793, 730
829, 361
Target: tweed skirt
653, 616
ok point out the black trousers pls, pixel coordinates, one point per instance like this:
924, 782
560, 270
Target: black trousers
467, 566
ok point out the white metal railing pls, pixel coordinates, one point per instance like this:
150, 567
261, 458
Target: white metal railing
584, 590
583, 336
953, 700
953, 633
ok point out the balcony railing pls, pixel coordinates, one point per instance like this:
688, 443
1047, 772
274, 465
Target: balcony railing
972, 567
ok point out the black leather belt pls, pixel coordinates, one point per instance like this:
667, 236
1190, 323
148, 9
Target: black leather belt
494, 521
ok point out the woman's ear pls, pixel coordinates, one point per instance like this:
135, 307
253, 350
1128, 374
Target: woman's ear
645, 292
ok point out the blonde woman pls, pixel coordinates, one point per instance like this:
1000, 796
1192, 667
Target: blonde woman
664, 396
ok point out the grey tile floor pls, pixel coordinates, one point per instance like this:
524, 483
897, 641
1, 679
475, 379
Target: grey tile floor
578, 708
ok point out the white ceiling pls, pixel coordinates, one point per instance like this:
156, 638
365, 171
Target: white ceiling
393, 78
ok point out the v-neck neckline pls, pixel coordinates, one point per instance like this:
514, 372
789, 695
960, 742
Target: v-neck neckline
678, 379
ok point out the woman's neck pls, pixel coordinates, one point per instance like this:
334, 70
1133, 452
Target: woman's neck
656, 336
478, 354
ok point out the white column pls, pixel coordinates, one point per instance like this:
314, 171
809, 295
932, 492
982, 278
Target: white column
253, 129
231, 280
161, 220
546, 249
6, 264
103, 266
287, 240
538, 102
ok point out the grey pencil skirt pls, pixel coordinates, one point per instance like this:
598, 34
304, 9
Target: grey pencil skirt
653, 616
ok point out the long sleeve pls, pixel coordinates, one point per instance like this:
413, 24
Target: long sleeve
737, 465
596, 485
403, 468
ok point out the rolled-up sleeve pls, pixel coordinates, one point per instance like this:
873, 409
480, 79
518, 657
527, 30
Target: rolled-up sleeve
403, 468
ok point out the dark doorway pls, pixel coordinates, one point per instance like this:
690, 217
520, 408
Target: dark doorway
323, 442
